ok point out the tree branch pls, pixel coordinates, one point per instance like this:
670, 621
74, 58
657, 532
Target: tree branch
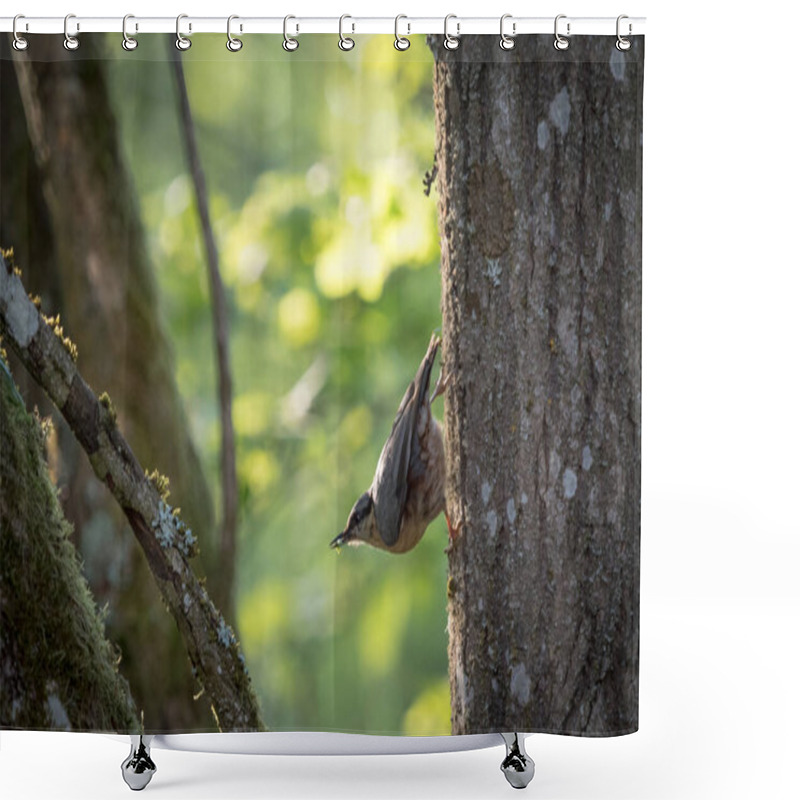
230, 491
70, 210
167, 543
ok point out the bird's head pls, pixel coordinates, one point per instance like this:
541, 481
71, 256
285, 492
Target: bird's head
361, 525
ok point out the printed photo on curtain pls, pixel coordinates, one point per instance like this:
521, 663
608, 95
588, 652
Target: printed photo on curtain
321, 384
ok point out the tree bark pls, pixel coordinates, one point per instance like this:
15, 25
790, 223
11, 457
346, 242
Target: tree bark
539, 181
226, 553
57, 669
167, 543
111, 306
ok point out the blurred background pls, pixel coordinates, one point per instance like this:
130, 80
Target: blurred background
329, 254
719, 524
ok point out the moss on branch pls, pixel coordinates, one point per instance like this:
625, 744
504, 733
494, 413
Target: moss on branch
167, 543
58, 669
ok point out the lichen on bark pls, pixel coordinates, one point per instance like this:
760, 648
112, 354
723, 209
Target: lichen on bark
539, 193
70, 208
216, 658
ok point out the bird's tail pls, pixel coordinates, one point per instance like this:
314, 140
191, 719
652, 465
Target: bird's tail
423, 378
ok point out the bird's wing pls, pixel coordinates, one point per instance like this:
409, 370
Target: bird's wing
390, 486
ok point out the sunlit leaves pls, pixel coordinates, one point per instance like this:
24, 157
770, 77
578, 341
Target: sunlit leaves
356, 429
262, 470
299, 316
383, 625
385, 223
251, 413
329, 254
429, 714
262, 614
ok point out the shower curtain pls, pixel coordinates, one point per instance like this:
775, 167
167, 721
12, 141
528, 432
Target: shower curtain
231, 282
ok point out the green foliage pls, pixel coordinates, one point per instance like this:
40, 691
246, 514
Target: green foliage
430, 713
329, 251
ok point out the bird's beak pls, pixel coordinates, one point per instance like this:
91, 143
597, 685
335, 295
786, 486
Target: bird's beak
342, 539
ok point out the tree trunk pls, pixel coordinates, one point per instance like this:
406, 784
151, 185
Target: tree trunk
166, 541
111, 311
57, 670
226, 550
539, 159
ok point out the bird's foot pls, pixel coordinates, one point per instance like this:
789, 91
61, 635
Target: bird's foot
453, 531
441, 385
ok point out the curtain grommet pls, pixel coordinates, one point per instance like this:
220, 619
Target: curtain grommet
181, 41
623, 43
400, 42
561, 42
71, 42
346, 43
507, 41
233, 44
129, 43
19, 43
451, 42
290, 44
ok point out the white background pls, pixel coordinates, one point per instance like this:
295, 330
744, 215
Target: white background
720, 605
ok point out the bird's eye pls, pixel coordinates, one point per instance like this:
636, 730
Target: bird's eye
360, 511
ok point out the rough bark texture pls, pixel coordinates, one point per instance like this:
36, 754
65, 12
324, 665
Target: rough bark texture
539, 158
57, 669
78, 210
167, 543
26, 227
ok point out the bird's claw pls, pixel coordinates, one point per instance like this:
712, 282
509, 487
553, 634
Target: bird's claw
453, 532
441, 385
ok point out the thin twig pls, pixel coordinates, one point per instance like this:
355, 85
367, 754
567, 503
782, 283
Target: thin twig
230, 491
430, 177
167, 543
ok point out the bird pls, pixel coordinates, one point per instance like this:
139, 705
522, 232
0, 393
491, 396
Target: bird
407, 492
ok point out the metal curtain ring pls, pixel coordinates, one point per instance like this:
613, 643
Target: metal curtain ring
561, 42
451, 42
507, 42
289, 44
400, 42
20, 42
128, 42
233, 44
345, 42
70, 42
623, 43
181, 42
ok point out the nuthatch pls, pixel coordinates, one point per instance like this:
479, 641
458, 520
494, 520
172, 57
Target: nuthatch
407, 492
